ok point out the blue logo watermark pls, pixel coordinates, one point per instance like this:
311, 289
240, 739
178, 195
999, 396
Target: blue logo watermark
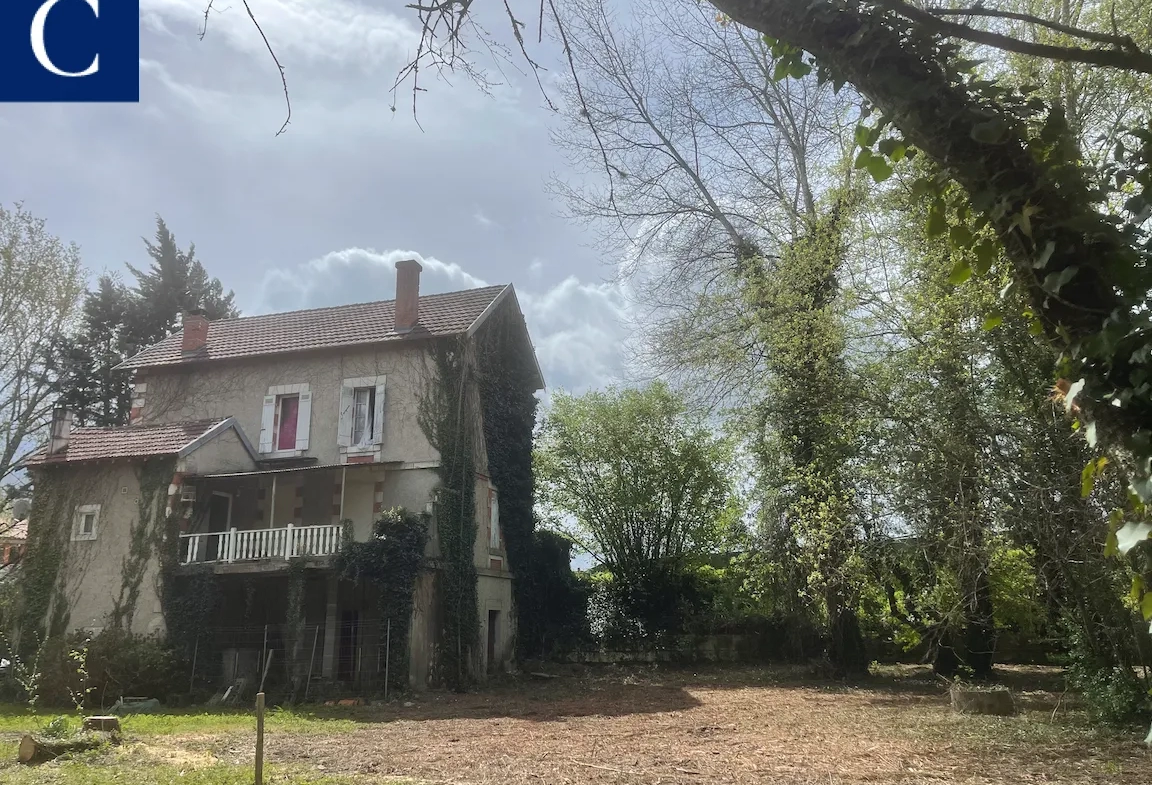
70, 50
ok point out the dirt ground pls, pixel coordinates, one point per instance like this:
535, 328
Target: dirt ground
714, 726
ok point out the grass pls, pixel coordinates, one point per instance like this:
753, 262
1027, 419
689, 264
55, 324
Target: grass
105, 770
16, 719
141, 762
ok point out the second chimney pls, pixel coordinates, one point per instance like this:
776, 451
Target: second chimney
61, 430
195, 335
407, 294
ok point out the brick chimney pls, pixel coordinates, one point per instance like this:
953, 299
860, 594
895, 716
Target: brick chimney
407, 294
195, 335
61, 430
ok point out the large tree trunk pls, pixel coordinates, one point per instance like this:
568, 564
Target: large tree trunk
906, 79
846, 649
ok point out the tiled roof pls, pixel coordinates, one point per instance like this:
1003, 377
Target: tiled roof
321, 328
126, 441
14, 530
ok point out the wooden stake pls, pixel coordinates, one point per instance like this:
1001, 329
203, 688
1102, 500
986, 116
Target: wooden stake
192, 678
267, 664
311, 662
387, 656
259, 738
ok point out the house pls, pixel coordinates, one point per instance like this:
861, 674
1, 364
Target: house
13, 536
257, 448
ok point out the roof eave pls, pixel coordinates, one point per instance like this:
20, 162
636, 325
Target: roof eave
215, 431
506, 292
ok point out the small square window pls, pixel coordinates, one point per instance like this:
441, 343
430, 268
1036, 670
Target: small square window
87, 519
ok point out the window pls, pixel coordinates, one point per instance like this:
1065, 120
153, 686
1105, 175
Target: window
87, 518
363, 414
493, 519
285, 421
361, 426
288, 411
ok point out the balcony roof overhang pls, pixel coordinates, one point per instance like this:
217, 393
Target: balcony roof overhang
292, 470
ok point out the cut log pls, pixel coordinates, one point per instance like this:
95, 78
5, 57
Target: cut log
37, 749
996, 701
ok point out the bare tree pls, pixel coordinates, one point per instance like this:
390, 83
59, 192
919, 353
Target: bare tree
41, 283
696, 150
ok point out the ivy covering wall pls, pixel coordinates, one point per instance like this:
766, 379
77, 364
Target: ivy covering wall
447, 416
53, 508
390, 562
507, 386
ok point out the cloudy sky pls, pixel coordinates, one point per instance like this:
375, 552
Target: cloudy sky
318, 215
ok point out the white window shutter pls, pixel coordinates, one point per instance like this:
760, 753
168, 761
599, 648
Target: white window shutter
303, 420
378, 415
267, 423
495, 519
344, 432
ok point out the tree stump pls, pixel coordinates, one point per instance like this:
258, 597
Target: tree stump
969, 699
104, 722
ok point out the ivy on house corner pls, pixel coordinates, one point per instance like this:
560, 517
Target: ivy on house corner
53, 508
507, 383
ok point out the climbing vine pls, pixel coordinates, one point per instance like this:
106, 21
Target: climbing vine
44, 608
146, 536
507, 384
391, 562
294, 618
447, 416
188, 595
1075, 241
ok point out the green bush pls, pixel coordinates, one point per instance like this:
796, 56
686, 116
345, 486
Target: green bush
1112, 694
122, 663
76, 670
553, 600
58, 728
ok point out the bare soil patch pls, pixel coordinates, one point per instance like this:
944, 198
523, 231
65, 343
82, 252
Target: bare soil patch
716, 726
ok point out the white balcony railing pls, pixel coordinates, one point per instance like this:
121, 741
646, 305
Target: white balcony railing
256, 544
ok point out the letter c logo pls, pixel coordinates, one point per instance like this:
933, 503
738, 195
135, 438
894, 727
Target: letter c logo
41, 51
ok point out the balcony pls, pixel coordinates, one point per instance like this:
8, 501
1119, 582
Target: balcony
246, 545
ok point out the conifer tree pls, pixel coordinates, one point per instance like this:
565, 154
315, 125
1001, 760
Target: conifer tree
120, 320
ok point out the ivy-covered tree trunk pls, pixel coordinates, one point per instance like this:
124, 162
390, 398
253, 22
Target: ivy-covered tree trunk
1031, 191
807, 414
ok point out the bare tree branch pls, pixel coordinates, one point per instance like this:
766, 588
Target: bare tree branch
1126, 59
283, 79
1122, 41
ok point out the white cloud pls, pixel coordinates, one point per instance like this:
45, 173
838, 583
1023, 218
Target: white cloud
334, 31
579, 331
480, 218
578, 328
353, 275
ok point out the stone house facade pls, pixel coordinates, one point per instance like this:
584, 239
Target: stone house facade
263, 443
